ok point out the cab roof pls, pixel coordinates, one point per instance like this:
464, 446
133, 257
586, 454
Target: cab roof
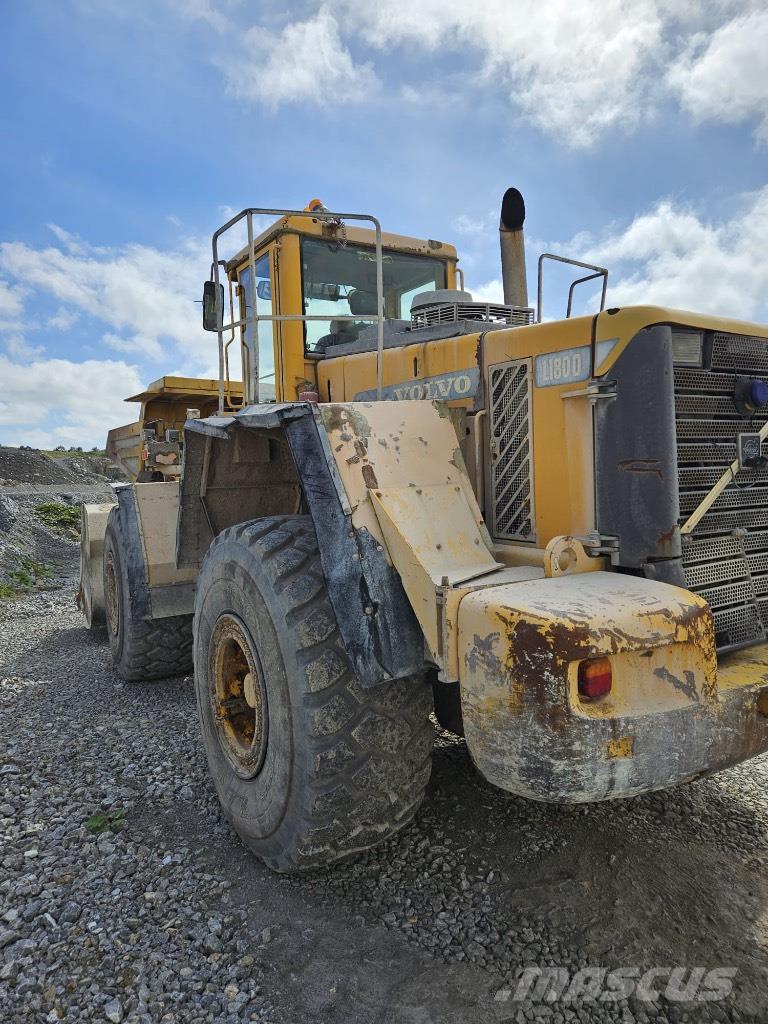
362, 236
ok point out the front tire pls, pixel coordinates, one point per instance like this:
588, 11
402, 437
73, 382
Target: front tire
309, 766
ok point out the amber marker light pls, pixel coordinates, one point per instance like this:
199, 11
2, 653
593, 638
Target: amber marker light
595, 678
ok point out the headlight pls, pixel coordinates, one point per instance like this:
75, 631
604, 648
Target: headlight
687, 347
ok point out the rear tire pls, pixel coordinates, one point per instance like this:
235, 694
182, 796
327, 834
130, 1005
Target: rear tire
309, 766
141, 648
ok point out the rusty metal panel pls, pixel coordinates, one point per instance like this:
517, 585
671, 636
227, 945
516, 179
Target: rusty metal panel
667, 718
451, 598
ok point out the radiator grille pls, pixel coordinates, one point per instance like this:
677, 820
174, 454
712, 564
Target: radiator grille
726, 559
510, 433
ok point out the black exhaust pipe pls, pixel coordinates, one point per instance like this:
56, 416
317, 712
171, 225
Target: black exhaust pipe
513, 274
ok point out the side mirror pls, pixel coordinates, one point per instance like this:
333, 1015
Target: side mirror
213, 306
264, 290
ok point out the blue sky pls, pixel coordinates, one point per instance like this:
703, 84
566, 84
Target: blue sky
637, 132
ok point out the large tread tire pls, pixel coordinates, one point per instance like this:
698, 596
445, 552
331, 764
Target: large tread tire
343, 767
141, 649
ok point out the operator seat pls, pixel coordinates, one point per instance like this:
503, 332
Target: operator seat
361, 303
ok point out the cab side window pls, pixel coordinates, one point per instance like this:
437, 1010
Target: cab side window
264, 329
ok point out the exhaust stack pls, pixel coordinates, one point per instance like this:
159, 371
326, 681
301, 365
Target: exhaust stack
513, 248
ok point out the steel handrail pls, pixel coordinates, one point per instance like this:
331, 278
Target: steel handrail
252, 385
598, 272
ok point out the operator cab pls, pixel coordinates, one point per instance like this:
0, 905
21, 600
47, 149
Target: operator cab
314, 290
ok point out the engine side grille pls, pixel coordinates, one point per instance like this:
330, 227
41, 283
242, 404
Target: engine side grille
726, 559
511, 466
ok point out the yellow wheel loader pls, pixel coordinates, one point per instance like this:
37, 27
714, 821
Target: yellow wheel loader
554, 535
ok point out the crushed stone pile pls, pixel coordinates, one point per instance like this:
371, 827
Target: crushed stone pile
36, 552
30, 466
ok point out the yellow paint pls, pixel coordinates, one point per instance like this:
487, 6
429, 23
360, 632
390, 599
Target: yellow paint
520, 647
181, 388
566, 555
297, 371
386, 445
158, 505
562, 421
432, 535
563, 471
164, 404
626, 322
452, 596
404, 365
90, 594
649, 681
562, 427
288, 227
598, 614
406, 483
623, 747
749, 665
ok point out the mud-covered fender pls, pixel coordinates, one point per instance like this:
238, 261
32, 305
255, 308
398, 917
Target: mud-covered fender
90, 594
527, 729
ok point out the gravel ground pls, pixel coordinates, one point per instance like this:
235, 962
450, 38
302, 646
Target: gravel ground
167, 918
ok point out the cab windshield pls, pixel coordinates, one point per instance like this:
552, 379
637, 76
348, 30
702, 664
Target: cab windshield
340, 280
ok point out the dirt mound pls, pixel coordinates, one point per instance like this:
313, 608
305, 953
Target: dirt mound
40, 498
92, 467
29, 466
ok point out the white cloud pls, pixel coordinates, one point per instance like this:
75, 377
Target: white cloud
670, 255
673, 256
491, 291
10, 300
72, 243
305, 63
145, 297
571, 66
723, 76
83, 399
63, 319
479, 227
17, 346
574, 68
11, 307
201, 10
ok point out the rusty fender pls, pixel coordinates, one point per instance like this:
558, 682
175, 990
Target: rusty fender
671, 714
